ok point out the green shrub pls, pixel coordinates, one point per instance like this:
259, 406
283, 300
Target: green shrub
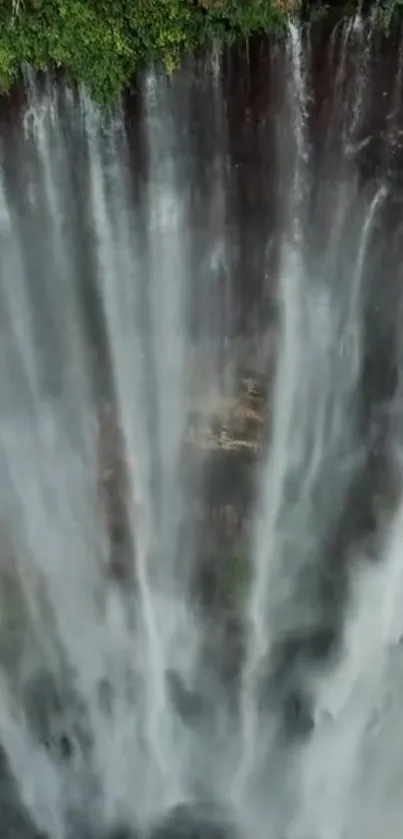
102, 42
388, 11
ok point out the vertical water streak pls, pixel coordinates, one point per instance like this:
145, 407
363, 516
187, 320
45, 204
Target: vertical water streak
169, 286
313, 442
38, 785
351, 334
266, 535
120, 263
363, 33
220, 262
49, 471
169, 245
335, 769
393, 133
297, 95
170, 290
339, 93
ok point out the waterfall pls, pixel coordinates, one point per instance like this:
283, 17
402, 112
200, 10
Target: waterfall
125, 708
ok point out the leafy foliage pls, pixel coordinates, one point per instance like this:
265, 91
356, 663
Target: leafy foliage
102, 42
388, 12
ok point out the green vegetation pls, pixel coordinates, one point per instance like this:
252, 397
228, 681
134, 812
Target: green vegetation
226, 577
103, 42
388, 11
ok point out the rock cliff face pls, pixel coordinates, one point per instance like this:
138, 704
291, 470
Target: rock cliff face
223, 439
224, 435
237, 422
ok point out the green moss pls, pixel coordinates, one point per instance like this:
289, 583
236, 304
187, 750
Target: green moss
102, 42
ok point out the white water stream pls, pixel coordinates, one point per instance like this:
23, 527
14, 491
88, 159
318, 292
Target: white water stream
112, 647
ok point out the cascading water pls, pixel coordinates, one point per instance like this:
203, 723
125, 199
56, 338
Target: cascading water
111, 713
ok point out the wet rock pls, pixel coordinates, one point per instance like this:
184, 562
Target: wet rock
282, 689
289, 704
194, 821
55, 715
305, 646
122, 832
43, 702
297, 715
189, 704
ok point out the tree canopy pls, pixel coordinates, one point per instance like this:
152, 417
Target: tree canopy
101, 43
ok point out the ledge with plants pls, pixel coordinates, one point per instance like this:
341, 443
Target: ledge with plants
103, 42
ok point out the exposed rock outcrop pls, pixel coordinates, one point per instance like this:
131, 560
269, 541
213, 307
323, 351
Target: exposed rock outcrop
222, 440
